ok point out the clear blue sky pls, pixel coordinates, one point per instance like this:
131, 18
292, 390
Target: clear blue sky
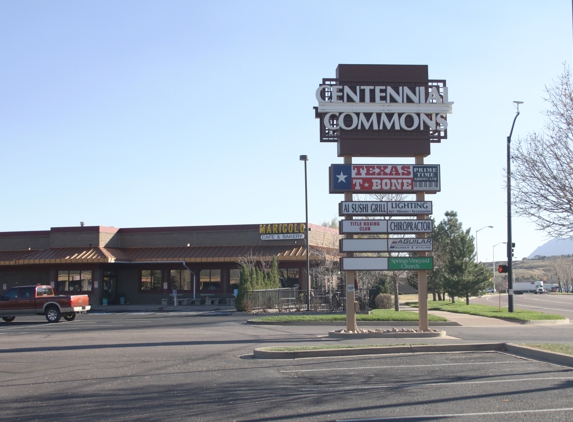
172, 113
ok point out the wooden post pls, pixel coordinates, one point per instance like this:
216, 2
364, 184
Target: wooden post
349, 275
422, 274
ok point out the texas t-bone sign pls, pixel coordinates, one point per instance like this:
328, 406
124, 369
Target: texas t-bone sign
385, 226
379, 208
382, 110
384, 178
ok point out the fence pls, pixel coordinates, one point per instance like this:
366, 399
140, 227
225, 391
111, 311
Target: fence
296, 300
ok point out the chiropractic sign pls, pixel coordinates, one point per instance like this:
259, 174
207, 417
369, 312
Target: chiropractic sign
382, 110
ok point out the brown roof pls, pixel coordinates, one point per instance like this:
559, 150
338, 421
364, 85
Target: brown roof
188, 254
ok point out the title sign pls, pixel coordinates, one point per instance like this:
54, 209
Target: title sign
382, 110
385, 208
384, 178
385, 226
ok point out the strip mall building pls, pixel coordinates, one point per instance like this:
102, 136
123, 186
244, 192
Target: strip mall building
146, 264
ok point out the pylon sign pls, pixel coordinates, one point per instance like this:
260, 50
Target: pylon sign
384, 178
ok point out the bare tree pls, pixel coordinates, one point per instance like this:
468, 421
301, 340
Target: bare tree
543, 165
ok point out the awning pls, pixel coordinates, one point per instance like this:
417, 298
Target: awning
188, 254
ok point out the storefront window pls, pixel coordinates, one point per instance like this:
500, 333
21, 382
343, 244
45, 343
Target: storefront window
234, 280
210, 280
74, 281
289, 277
180, 279
151, 280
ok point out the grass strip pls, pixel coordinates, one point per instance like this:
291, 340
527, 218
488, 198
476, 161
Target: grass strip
566, 349
375, 315
488, 311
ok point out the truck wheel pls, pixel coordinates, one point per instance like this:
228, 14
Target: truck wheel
9, 318
53, 314
70, 317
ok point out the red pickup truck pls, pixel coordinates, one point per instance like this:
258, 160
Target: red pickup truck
40, 300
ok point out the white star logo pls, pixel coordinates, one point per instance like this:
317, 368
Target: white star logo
341, 177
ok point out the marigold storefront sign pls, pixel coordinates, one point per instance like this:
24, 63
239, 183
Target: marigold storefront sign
285, 231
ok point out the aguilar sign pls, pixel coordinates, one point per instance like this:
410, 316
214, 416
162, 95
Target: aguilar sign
407, 244
384, 178
382, 110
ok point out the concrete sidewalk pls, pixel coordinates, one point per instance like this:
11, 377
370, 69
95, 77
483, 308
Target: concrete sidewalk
160, 308
464, 320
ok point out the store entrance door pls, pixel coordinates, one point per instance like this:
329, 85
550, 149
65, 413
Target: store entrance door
109, 286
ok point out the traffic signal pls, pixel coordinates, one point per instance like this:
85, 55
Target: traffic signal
502, 268
512, 246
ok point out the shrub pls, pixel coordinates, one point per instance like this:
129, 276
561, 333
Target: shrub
384, 301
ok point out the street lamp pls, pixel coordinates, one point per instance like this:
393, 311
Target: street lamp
305, 159
493, 259
509, 244
477, 231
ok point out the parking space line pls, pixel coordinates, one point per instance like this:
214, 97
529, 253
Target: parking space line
434, 384
454, 415
403, 366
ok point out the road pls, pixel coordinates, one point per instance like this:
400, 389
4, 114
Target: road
185, 367
560, 304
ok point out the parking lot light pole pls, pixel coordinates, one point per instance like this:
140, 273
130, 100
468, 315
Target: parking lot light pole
477, 231
305, 159
509, 241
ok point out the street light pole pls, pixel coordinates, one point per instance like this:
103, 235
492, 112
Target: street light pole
509, 241
305, 159
477, 250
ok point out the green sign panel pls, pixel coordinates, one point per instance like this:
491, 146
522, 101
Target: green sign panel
414, 263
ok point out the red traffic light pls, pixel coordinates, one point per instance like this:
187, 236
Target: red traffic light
502, 269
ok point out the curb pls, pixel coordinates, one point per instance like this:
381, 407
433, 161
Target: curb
391, 334
514, 349
361, 323
546, 322
538, 354
264, 353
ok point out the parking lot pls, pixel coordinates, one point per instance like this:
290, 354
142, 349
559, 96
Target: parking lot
187, 367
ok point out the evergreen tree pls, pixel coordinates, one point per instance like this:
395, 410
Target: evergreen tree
244, 289
274, 274
456, 271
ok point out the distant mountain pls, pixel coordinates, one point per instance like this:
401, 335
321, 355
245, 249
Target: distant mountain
554, 247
